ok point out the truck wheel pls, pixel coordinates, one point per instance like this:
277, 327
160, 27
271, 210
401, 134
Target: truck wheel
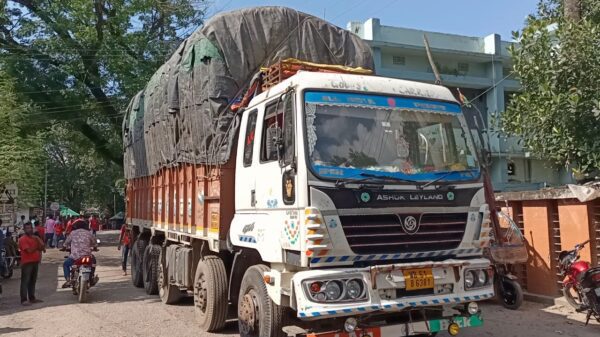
210, 293
258, 316
150, 262
137, 253
169, 293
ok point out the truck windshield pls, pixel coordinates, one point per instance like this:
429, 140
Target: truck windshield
349, 134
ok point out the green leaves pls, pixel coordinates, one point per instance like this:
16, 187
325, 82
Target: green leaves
67, 70
558, 63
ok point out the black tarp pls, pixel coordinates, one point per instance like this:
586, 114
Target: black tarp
182, 115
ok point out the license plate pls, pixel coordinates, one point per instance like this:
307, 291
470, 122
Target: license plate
416, 279
86, 269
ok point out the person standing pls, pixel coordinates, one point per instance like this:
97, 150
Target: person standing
31, 248
19, 224
49, 230
69, 226
124, 246
39, 230
94, 224
58, 232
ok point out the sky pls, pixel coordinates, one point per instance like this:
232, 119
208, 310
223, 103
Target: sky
463, 17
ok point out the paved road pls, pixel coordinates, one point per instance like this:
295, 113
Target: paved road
119, 309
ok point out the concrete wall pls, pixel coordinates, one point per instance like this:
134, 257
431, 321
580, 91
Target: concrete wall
552, 220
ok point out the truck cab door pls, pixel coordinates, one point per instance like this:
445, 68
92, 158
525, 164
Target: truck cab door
275, 187
245, 179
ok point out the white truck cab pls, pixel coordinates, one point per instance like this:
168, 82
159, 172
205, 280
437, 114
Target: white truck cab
364, 197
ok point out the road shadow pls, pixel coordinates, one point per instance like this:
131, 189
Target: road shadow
112, 288
496, 315
10, 330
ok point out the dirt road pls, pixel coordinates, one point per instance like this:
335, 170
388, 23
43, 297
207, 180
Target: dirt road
116, 308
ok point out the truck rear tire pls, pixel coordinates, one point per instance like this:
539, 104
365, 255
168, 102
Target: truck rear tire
168, 293
258, 316
137, 254
150, 263
210, 293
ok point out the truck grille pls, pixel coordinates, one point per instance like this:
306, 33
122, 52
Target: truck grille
384, 234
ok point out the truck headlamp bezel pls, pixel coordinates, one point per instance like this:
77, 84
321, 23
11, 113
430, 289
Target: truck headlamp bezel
310, 289
480, 278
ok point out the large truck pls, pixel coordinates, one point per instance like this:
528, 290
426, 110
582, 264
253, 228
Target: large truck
351, 205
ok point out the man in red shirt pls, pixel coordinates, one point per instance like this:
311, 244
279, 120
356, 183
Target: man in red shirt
125, 241
94, 224
59, 228
31, 247
69, 226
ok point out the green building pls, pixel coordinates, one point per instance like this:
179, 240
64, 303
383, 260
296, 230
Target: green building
481, 68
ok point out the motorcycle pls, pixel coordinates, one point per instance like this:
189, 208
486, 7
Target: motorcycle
505, 251
581, 284
82, 276
7, 264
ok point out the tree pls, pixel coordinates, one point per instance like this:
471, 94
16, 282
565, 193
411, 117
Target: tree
86, 58
21, 158
557, 113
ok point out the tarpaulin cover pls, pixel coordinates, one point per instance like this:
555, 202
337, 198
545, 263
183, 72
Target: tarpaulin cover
183, 115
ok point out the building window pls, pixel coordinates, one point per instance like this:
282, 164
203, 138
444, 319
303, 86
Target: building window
398, 60
463, 67
510, 168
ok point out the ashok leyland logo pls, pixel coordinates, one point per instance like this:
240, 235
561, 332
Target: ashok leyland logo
410, 224
450, 196
365, 197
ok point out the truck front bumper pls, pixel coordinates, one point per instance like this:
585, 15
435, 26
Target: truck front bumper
381, 281
407, 329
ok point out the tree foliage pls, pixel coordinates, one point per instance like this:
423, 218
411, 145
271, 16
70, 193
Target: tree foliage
558, 62
86, 58
20, 156
67, 70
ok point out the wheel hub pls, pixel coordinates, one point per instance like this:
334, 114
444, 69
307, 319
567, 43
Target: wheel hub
200, 292
248, 313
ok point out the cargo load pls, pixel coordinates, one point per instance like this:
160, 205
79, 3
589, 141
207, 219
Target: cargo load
183, 115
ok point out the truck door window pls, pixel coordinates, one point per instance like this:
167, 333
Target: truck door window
271, 129
288, 130
249, 140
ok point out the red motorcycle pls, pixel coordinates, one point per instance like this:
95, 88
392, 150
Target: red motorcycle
581, 284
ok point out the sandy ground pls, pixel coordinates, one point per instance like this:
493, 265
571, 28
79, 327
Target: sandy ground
116, 308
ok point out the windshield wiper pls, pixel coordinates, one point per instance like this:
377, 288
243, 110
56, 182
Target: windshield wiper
443, 176
386, 177
368, 177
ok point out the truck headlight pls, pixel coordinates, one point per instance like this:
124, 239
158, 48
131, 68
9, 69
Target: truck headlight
469, 279
476, 278
354, 288
481, 276
333, 290
338, 290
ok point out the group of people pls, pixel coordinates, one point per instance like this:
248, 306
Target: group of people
76, 233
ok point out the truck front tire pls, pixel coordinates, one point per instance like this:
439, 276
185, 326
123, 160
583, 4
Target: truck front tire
137, 254
258, 316
210, 293
150, 270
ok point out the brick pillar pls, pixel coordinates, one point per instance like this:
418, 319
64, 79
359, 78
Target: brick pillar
537, 219
575, 221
